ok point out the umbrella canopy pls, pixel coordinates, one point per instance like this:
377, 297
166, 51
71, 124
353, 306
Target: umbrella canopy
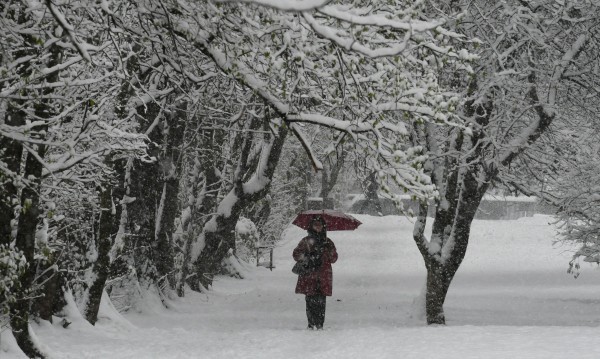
335, 220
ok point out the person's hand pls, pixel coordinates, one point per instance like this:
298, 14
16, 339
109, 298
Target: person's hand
314, 259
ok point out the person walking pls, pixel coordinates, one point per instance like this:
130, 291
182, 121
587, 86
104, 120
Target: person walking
319, 253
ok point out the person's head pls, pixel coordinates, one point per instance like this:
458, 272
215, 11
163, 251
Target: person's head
317, 225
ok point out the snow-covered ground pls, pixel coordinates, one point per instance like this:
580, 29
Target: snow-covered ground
512, 298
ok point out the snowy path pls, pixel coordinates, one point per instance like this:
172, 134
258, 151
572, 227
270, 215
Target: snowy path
511, 299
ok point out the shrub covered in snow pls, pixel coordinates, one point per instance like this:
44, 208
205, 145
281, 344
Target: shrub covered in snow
12, 266
246, 239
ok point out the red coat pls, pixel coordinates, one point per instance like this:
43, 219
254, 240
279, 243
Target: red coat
309, 283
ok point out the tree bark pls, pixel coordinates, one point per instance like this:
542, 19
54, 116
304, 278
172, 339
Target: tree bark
11, 151
102, 265
145, 185
438, 282
330, 177
371, 204
171, 163
52, 298
206, 205
25, 242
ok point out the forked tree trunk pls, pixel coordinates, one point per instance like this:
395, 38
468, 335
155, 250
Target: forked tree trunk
454, 226
330, 177
196, 222
221, 238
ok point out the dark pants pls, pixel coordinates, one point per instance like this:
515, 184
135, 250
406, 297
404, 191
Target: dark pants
315, 310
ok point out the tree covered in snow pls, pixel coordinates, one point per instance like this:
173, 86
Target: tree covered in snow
578, 201
54, 130
534, 60
561, 171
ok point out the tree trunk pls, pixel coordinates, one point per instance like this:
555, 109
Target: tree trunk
25, 242
438, 282
102, 265
188, 240
207, 203
52, 299
10, 152
145, 185
173, 142
330, 177
455, 226
371, 205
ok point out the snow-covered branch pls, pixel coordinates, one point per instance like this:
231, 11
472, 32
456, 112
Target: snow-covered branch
382, 20
306, 145
285, 5
546, 112
351, 44
62, 21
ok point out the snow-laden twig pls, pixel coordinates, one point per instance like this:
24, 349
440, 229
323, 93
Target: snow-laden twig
382, 20
285, 5
306, 145
62, 21
352, 45
545, 111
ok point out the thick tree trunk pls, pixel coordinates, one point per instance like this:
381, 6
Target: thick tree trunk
25, 242
145, 185
330, 177
206, 205
188, 240
10, 152
173, 142
454, 226
371, 205
52, 298
163, 255
462, 184
438, 282
102, 265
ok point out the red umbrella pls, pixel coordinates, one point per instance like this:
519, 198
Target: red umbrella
335, 220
